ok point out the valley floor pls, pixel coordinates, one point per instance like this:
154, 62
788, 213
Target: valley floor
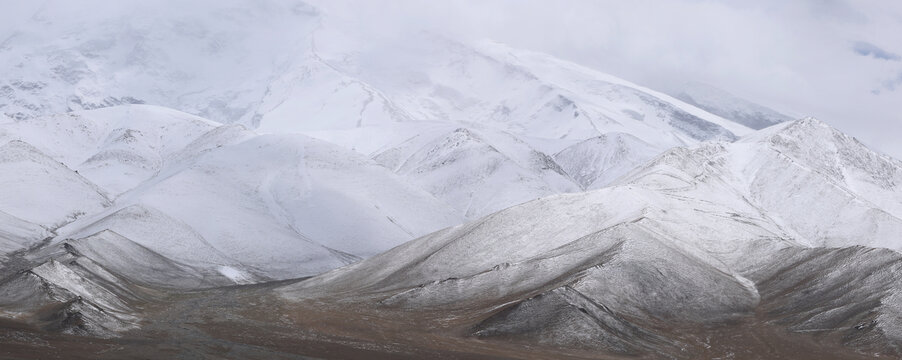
250, 322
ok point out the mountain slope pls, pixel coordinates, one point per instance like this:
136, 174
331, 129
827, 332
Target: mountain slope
42, 191
527, 94
799, 174
93, 286
476, 173
294, 192
196, 191
690, 240
116, 148
596, 162
17, 234
854, 295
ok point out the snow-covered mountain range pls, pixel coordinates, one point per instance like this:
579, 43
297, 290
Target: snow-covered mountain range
196, 191
698, 235
149, 154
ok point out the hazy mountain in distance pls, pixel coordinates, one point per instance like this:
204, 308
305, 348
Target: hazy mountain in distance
728, 106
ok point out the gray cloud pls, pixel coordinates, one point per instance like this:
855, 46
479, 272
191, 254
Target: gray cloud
891, 84
864, 48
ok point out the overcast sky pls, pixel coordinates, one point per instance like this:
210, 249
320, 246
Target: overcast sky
838, 60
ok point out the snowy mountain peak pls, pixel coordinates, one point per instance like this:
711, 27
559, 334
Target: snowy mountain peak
597, 161
834, 153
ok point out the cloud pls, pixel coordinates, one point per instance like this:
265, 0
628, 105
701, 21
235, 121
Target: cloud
890, 84
864, 48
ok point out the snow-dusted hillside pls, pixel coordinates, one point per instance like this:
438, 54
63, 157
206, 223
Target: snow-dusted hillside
216, 197
115, 148
822, 185
693, 237
171, 165
477, 172
596, 162
43, 191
